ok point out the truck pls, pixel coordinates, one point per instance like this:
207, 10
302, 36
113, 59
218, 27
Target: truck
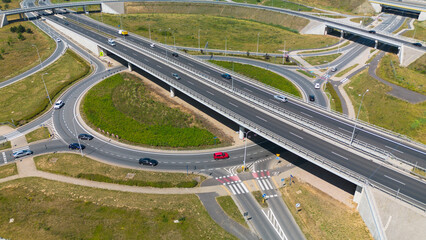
123, 32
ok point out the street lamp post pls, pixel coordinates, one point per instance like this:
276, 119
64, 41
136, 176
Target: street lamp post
245, 148
257, 48
199, 46
76, 135
356, 120
42, 76
226, 40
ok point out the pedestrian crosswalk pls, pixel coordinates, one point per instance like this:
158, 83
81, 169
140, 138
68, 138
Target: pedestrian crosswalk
234, 183
263, 179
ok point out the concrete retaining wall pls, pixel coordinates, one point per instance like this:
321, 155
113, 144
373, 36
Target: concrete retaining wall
368, 212
113, 7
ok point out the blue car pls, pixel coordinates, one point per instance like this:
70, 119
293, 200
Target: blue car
76, 146
227, 76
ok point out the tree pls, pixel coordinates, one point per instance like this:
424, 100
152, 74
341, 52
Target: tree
13, 29
6, 6
1, 57
29, 30
6, 1
21, 37
20, 29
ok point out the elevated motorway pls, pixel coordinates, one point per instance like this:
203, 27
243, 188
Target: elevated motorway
405, 8
253, 107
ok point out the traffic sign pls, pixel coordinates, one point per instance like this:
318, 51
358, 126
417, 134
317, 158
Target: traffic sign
297, 205
264, 195
282, 179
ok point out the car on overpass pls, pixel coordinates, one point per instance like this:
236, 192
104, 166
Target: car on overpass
281, 98
220, 155
111, 42
225, 75
417, 44
123, 32
175, 76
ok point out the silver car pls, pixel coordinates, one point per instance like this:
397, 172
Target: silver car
22, 153
281, 98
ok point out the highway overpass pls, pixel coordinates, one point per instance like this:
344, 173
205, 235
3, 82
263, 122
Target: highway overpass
405, 8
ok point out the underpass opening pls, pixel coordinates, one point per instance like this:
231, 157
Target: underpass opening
401, 11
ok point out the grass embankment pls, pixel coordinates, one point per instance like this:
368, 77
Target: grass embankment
318, 60
365, 20
306, 73
344, 6
261, 75
328, 49
404, 25
123, 106
419, 32
279, 4
38, 134
412, 77
258, 196
321, 216
26, 99
241, 34
77, 166
44, 209
346, 70
5, 145
9, 4
8, 170
419, 171
229, 207
385, 110
335, 102
14, 50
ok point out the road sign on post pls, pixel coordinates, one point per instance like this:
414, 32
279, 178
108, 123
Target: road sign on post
264, 195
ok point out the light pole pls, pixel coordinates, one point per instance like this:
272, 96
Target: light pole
257, 48
357, 116
42, 75
225, 45
76, 135
149, 29
199, 47
284, 53
245, 148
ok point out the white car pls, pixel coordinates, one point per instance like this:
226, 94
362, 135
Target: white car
58, 39
333, 69
111, 42
281, 98
152, 45
317, 85
58, 104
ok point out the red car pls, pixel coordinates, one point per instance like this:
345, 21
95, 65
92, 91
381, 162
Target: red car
220, 155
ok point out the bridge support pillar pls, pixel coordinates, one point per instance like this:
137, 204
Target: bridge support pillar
375, 44
129, 66
422, 16
3, 20
84, 9
377, 7
172, 91
342, 34
241, 133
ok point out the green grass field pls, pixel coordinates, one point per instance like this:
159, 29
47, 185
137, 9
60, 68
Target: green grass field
306, 73
335, 102
8, 170
321, 216
279, 4
344, 6
258, 196
318, 60
346, 70
44, 209
228, 205
365, 20
26, 99
9, 4
75, 165
261, 75
412, 77
13, 50
240, 34
123, 106
329, 49
38, 134
419, 32
5, 145
387, 111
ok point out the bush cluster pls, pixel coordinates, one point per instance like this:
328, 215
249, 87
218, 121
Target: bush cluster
20, 30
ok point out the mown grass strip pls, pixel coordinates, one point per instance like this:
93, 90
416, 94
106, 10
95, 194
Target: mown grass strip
318, 60
335, 102
8, 170
122, 106
38, 134
306, 73
419, 171
5, 145
419, 31
346, 70
26, 99
77, 166
258, 196
328, 49
321, 216
229, 207
44, 209
262, 75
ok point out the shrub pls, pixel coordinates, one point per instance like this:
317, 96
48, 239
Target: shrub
21, 37
13, 29
6, 1
20, 29
29, 30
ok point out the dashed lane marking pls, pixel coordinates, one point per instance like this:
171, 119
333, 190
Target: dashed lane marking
339, 155
4, 157
394, 180
295, 135
394, 149
262, 119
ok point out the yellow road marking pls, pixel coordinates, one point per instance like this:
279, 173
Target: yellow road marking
276, 185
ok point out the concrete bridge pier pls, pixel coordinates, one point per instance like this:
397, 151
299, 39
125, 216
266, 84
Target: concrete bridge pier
129, 66
342, 34
375, 44
84, 8
172, 91
241, 132
3, 20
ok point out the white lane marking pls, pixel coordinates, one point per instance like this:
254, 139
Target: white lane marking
387, 224
4, 157
295, 135
345, 130
264, 183
210, 93
339, 155
206, 71
394, 149
239, 187
245, 188
261, 185
190, 82
159, 66
248, 89
269, 183
146, 60
394, 180
232, 104
190, 64
306, 114
236, 189
230, 187
261, 119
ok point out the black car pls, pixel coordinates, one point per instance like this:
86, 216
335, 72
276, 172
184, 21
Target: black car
85, 136
227, 76
148, 161
175, 54
312, 98
76, 146
372, 31
417, 44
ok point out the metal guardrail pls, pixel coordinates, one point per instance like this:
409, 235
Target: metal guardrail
242, 121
